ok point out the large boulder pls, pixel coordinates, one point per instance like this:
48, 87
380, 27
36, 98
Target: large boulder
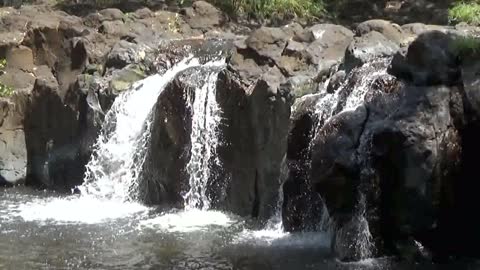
328, 45
164, 178
267, 42
204, 16
254, 130
429, 60
13, 154
391, 31
368, 47
53, 134
334, 159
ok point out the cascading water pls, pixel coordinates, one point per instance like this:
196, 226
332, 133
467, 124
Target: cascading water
206, 116
352, 93
119, 152
111, 178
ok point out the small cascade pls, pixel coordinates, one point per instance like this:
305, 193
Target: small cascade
354, 238
206, 116
275, 223
360, 83
114, 167
352, 92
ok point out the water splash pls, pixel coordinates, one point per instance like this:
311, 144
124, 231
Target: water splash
206, 116
119, 153
189, 221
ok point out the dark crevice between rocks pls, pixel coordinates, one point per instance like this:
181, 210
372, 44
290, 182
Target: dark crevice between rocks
256, 200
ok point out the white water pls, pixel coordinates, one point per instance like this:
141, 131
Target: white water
189, 220
118, 155
111, 178
204, 137
359, 84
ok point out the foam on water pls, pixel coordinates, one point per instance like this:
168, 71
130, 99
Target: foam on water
188, 221
284, 239
85, 209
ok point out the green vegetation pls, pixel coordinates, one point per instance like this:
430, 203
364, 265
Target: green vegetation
467, 47
268, 9
5, 90
468, 12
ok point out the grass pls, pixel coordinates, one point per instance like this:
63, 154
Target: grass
468, 12
5, 90
268, 9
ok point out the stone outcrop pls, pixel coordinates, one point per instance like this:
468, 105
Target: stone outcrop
400, 155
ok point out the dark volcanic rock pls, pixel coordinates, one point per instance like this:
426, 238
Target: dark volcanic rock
303, 208
334, 160
164, 178
254, 128
429, 60
53, 132
368, 47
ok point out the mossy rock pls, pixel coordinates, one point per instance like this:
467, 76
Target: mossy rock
123, 79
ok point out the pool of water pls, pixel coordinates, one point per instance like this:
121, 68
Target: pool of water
43, 230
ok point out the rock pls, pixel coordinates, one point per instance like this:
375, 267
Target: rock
164, 178
267, 42
18, 79
336, 81
471, 85
143, 13
300, 85
302, 207
429, 60
53, 132
333, 161
292, 29
13, 154
416, 151
246, 67
203, 16
116, 28
368, 47
124, 53
329, 33
391, 31
329, 45
111, 14
123, 79
256, 116
20, 57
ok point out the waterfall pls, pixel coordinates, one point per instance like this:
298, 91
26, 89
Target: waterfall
275, 223
352, 93
204, 137
119, 153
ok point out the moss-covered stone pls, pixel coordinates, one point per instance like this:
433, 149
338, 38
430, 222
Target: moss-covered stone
123, 79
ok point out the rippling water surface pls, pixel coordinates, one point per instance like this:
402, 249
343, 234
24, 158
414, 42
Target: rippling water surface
42, 230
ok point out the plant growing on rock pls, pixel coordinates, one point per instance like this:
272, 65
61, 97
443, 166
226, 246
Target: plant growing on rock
5, 90
467, 47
